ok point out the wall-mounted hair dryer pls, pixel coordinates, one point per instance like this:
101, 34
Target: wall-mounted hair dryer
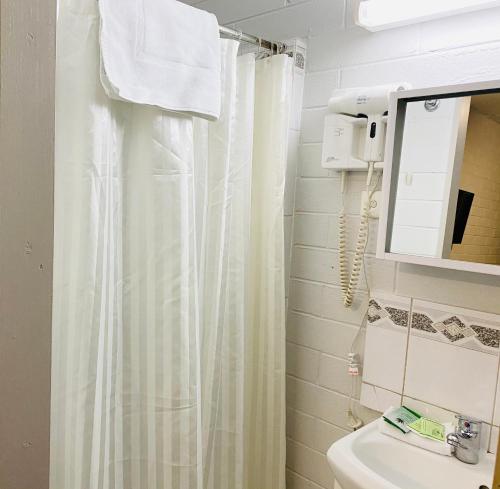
355, 128
354, 139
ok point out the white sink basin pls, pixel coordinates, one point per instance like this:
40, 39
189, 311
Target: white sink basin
367, 459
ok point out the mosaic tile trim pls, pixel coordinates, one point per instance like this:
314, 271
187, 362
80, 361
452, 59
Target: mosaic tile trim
454, 329
487, 336
376, 312
423, 323
455, 320
398, 316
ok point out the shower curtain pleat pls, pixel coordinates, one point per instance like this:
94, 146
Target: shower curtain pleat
226, 153
168, 314
265, 345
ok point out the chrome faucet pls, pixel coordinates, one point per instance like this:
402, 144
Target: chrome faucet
467, 439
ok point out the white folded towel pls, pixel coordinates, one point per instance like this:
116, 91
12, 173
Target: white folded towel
162, 53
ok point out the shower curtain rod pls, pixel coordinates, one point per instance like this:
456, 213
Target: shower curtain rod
274, 47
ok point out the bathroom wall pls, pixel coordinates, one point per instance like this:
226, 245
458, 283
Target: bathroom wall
438, 353
27, 60
320, 330
277, 19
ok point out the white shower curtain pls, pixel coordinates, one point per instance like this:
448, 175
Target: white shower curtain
168, 330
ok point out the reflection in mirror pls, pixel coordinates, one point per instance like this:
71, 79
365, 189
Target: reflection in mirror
447, 201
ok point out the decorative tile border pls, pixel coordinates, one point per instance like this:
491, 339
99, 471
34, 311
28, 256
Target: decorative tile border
375, 312
458, 326
398, 316
453, 329
487, 336
443, 323
395, 313
422, 322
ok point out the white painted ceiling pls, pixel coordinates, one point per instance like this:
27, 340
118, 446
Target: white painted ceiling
279, 19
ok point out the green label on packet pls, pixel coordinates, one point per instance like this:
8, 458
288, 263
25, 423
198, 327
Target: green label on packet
401, 418
428, 428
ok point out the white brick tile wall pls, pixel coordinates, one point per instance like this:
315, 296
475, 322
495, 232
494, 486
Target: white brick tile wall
319, 87
311, 431
357, 46
296, 481
318, 195
300, 19
459, 65
333, 375
461, 30
306, 297
230, 11
315, 264
310, 156
381, 275
310, 463
317, 401
324, 433
301, 427
302, 362
312, 124
424, 55
327, 336
311, 229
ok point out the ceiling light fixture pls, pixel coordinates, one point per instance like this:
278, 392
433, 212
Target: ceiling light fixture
377, 15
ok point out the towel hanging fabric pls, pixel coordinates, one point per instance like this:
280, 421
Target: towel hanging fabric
163, 53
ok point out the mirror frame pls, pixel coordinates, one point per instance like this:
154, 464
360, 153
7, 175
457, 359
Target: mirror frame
395, 128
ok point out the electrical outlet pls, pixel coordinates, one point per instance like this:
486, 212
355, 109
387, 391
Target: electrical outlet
375, 203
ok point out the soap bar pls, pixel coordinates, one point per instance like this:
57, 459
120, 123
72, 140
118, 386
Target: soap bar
428, 428
401, 418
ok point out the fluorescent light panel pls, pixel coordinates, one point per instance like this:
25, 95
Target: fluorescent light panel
377, 15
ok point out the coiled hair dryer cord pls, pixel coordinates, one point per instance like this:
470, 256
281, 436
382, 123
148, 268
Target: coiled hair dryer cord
349, 283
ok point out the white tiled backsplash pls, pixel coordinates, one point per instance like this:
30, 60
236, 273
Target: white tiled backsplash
320, 330
439, 358
385, 345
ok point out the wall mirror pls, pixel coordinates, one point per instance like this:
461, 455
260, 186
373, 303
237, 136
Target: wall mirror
442, 178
